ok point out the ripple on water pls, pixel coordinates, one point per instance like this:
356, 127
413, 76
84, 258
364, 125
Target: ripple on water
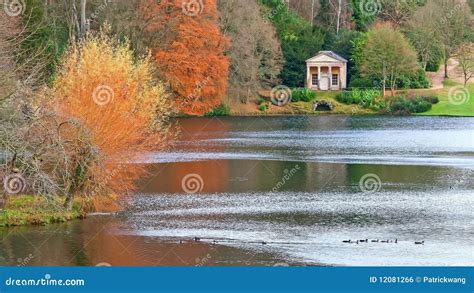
311, 226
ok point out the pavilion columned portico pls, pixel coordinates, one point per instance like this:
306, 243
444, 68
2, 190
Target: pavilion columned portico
326, 71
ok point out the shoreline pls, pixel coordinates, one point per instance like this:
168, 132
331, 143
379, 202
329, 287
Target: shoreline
101, 230
243, 115
28, 210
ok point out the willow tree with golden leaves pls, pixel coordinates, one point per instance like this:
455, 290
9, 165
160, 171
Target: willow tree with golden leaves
191, 58
113, 95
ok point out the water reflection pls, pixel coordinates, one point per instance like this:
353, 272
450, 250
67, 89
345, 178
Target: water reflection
284, 189
94, 242
254, 176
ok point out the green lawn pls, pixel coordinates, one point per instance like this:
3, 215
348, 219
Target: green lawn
445, 108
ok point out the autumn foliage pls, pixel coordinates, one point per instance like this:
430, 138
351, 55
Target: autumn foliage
192, 59
113, 96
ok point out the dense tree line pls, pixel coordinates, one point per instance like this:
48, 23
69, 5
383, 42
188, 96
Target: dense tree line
236, 48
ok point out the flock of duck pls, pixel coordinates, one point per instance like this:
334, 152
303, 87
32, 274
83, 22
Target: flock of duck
197, 239
377, 241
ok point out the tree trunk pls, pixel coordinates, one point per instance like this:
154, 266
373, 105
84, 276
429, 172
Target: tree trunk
393, 85
45, 9
339, 10
83, 18
76, 20
383, 88
446, 69
69, 202
384, 80
446, 59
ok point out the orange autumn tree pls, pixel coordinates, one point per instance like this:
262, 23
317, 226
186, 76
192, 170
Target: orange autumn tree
191, 55
106, 90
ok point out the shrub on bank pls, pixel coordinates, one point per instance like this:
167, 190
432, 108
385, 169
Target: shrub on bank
260, 100
302, 95
263, 107
345, 98
366, 98
104, 87
417, 80
405, 106
222, 110
431, 99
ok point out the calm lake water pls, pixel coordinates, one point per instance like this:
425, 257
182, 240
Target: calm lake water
284, 190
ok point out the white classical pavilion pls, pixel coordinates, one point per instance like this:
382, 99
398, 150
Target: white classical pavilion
326, 71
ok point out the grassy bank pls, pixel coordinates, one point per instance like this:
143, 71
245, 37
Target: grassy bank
298, 108
445, 107
36, 210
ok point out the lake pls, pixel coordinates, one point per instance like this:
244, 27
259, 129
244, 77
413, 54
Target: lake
284, 191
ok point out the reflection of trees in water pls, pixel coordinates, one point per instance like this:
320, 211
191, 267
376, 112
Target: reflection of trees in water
93, 241
266, 176
169, 177
411, 177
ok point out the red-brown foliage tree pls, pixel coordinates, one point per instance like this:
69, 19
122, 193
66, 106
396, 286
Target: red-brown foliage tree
190, 54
